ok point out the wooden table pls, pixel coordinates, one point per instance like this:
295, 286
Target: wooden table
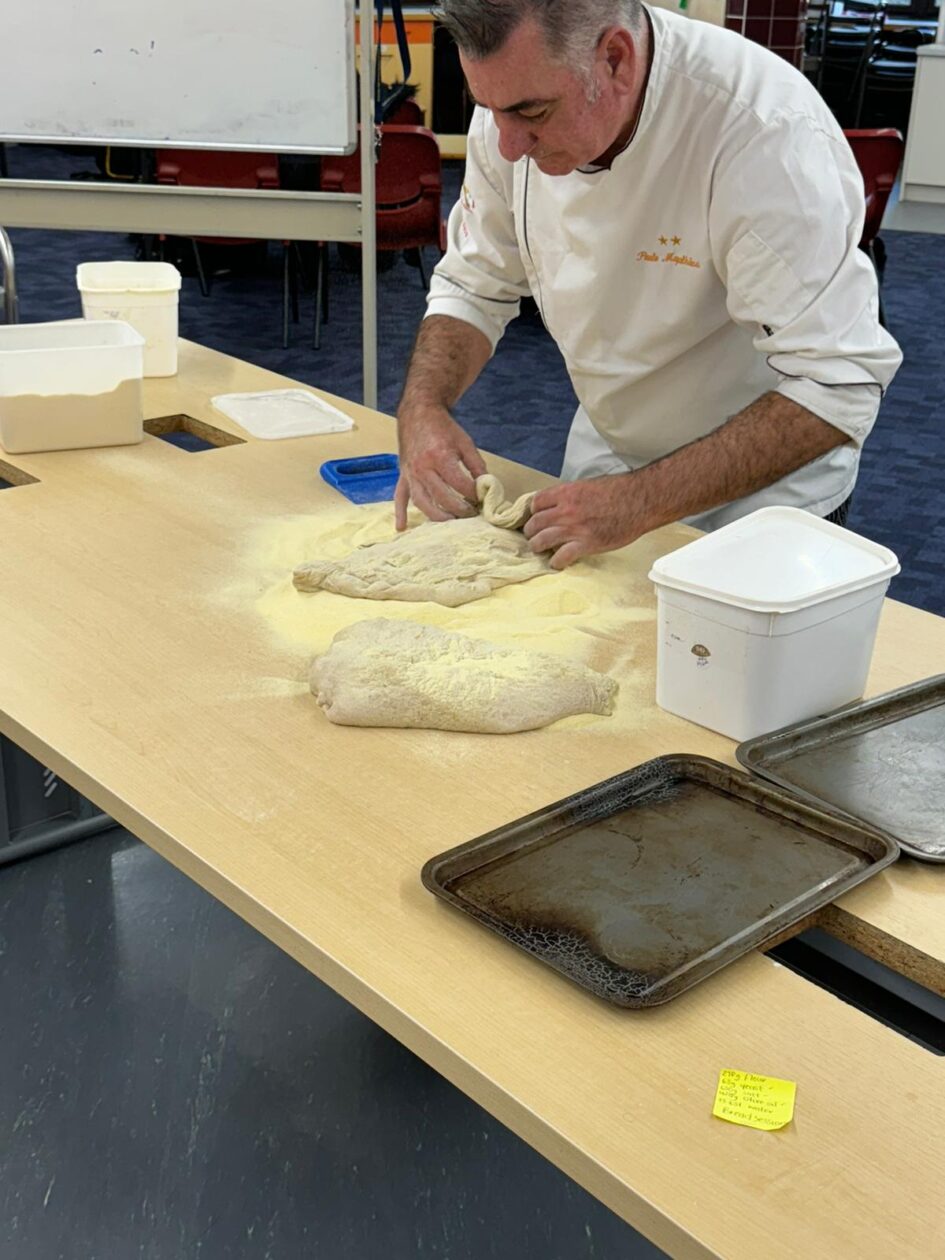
122, 670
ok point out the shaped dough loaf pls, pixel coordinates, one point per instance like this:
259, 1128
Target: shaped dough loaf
450, 562
399, 673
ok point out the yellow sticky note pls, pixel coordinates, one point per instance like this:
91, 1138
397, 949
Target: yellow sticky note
760, 1102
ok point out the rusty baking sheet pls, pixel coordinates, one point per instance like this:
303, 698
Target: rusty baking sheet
881, 761
642, 885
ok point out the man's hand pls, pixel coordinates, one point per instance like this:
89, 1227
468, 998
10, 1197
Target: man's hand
439, 464
768, 440
582, 518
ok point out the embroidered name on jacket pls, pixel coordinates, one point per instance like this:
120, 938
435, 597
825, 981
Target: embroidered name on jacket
678, 260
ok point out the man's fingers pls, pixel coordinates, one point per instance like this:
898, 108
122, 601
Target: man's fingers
567, 555
428, 506
474, 462
537, 522
545, 499
401, 502
438, 501
549, 539
459, 479
447, 498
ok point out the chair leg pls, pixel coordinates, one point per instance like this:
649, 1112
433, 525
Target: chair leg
877, 254
326, 278
298, 262
319, 284
285, 295
860, 101
201, 275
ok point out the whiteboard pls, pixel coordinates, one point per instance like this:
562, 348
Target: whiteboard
272, 75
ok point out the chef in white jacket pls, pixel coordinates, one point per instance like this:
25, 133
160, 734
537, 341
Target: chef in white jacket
686, 212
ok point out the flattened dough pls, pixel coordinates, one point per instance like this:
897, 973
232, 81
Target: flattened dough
400, 673
450, 562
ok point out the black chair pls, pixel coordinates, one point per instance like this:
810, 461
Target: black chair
885, 92
849, 41
814, 34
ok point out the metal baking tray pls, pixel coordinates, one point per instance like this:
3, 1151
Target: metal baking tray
642, 885
881, 761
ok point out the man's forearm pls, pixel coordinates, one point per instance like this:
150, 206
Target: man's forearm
763, 443
769, 439
448, 355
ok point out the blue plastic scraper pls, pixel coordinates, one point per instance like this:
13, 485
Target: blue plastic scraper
364, 479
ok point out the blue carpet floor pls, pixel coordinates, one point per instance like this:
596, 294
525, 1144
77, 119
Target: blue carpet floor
523, 403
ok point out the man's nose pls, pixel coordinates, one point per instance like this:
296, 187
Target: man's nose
515, 138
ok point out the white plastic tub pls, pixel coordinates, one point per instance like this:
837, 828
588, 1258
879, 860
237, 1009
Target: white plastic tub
69, 385
143, 294
767, 621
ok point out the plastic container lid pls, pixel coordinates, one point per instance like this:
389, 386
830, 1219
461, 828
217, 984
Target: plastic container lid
54, 336
778, 559
127, 277
283, 413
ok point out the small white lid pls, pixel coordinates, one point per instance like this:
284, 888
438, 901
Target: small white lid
777, 559
283, 413
127, 277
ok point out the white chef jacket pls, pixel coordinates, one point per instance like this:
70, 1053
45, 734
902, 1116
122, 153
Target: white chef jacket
715, 260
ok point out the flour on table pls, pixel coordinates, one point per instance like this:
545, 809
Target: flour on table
449, 562
401, 673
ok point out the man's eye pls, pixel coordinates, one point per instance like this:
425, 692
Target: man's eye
535, 117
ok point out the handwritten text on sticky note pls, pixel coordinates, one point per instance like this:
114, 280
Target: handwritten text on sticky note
760, 1102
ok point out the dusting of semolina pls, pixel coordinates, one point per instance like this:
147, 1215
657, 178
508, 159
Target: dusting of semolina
601, 612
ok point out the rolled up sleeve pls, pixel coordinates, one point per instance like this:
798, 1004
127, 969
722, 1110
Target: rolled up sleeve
785, 230
480, 278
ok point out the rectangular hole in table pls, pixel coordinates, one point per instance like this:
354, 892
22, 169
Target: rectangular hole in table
909, 1008
189, 434
11, 477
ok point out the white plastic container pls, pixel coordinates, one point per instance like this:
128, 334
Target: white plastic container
143, 294
767, 621
70, 384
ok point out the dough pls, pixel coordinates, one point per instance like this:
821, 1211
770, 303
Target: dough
400, 673
497, 509
450, 562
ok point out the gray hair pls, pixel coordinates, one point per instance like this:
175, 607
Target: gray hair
571, 27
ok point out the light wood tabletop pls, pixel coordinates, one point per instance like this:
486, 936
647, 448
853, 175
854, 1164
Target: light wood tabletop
136, 663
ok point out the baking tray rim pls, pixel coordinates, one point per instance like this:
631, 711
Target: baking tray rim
749, 748
715, 959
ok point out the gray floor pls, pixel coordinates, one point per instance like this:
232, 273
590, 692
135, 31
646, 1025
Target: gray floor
913, 216
173, 1086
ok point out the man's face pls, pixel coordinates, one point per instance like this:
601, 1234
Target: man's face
541, 108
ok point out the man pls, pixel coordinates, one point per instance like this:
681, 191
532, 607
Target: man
686, 212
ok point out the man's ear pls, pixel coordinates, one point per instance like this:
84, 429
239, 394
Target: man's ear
616, 49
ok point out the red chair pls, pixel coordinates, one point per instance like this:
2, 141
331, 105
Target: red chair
407, 114
878, 154
205, 168
408, 187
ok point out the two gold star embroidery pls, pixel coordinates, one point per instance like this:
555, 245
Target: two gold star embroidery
675, 240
